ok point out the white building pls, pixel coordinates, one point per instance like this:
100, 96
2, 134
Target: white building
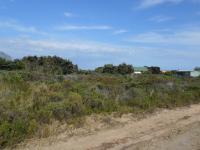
195, 73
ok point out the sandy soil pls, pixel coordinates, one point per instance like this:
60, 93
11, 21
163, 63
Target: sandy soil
164, 130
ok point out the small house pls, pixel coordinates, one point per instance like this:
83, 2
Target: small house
140, 70
183, 73
195, 73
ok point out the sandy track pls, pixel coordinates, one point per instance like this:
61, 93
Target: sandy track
168, 129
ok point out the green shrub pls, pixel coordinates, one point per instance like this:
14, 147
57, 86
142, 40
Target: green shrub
30, 101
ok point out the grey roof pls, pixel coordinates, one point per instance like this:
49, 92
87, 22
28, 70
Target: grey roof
140, 69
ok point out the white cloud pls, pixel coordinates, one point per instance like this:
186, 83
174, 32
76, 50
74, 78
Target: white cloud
58, 45
152, 3
19, 28
76, 27
161, 18
68, 14
190, 38
86, 52
121, 31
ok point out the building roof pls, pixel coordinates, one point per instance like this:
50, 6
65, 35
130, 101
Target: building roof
140, 69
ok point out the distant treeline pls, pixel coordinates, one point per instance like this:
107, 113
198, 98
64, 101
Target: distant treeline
57, 65
124, 69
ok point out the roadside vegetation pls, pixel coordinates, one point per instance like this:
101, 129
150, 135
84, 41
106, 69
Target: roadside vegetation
40, 91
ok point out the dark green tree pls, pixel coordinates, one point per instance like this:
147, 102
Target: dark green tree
109, 68
154, 70
125, 69
197, 68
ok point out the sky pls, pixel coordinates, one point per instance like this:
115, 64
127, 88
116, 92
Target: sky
92, 33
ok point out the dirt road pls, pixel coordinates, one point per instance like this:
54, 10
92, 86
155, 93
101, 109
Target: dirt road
165, 130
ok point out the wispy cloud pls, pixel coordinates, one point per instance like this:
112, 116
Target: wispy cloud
151, 3
80, 27
190, 38
161, 18
85, 51
121, 31
11, 25
60, 45
69, 14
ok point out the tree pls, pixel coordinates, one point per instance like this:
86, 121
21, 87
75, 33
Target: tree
109, 68
99, 70
197, 68
121, 69
19, 65
154, 70
11, 65
125, 69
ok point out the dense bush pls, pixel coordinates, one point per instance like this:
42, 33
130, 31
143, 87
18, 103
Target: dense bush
125, 69
47, 65
111, 69
11, 65
154, 70
53, 65
30, 100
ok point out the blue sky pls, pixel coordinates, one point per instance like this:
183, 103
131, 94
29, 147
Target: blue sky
91, 33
